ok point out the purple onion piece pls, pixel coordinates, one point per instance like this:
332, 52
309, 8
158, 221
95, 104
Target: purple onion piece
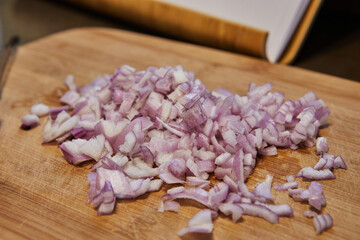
200, 223
310, 214
105, 200
322, 222
316, 198
339, 163
171, 206
312, 174
285, 186
40, 110
321, 145
29, 121
177, 167
264, 189
282, 210
232, 209
54, 112
218, 194
259, 211
197, 194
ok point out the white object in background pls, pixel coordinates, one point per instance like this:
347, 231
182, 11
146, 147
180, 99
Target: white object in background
278, 17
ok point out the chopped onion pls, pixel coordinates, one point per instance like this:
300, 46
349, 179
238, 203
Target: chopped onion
264, 188
339, 163
259, 211
201, 223
322, 222
321, 145
169, 206
105, 200
40, 110
162, 125
281, 210
313, 195
316, 198
232, 209
290, 178
29, 121
312, 174
310, 214
326, 162
286, 186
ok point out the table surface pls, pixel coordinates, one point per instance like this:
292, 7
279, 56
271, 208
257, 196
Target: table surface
332, 46
44, 197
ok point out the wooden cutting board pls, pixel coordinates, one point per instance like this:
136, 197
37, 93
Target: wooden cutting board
44, 197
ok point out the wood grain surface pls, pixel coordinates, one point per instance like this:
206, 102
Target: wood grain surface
44, 197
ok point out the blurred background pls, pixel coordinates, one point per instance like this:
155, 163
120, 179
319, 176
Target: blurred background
331, 47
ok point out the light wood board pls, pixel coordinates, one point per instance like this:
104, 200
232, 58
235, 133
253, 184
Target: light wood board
44, 197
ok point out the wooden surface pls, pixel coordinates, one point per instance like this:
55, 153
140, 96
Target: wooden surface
44, 197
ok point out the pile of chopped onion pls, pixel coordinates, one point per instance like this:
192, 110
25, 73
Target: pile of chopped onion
162, 125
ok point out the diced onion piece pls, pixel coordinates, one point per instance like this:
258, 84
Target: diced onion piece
259, 211
312, 174
40, 110
310, 214
285, 186
321, 145
316, 198
322, 222
29, 121
200, 223
339, 163
171, 206
231, 209
264, 189
290, 178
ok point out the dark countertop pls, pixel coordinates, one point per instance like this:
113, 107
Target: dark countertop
332, 47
